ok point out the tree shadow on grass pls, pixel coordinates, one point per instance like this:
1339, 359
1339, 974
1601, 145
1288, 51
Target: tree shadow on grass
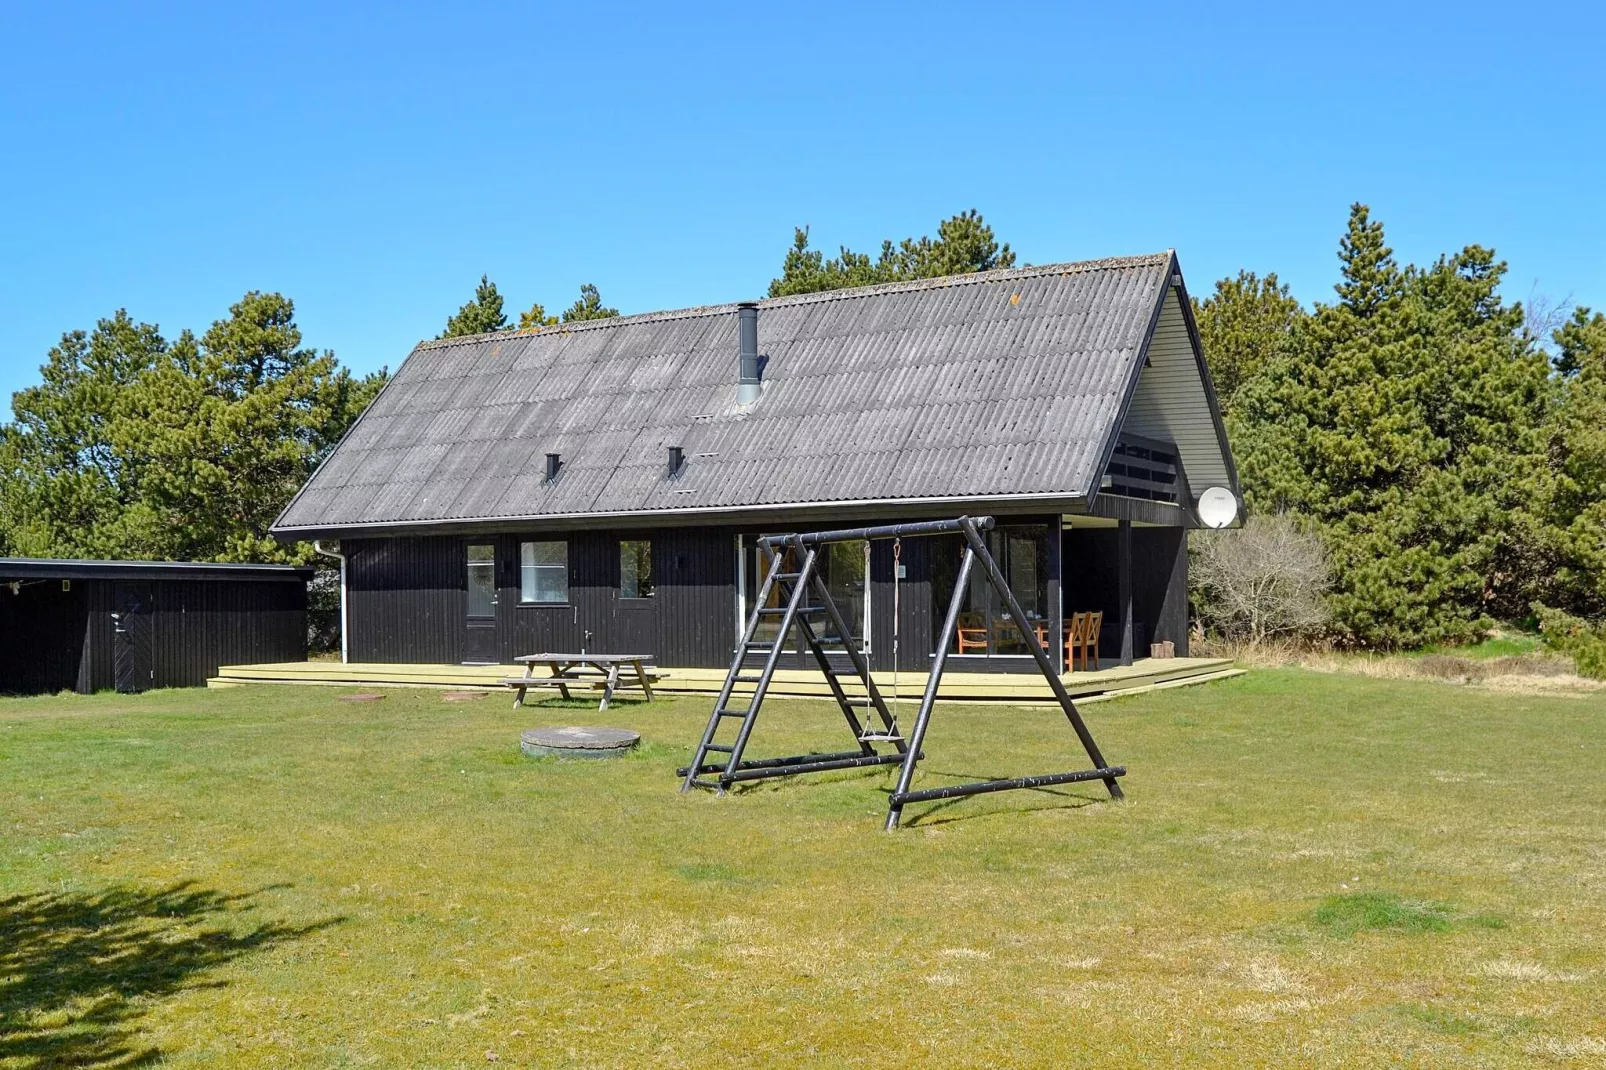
78, 969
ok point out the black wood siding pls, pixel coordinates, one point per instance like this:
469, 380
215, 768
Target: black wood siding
42, 638
198, 626
407, 599
55, 639
1159, 584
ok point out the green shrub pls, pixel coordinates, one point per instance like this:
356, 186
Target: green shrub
1591, 660
1584, 642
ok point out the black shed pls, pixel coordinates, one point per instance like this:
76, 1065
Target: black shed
134, 625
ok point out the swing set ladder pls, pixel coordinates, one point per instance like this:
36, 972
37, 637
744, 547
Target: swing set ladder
795, 588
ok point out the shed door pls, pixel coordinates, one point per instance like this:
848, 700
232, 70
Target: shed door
480, 645
133, 668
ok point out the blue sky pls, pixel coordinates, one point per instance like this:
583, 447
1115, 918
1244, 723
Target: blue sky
371, 162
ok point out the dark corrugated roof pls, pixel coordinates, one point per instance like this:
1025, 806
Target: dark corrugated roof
996, 384
28, 568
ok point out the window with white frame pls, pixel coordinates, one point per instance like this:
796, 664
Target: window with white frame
543, 572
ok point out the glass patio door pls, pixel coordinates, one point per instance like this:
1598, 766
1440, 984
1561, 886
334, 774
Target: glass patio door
985, 627
843, 566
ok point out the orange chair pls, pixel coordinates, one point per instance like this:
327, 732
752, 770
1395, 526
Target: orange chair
1073, 639
1082, 638
972, 633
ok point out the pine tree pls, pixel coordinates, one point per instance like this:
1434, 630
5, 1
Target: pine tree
1246, 325
63, 483
134, 447
535, 317
964, 243
1576, 504
588, 306
480, 316
1581, 343
1370, 275
1403, 426
228, 430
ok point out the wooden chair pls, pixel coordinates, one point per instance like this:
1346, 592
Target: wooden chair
1073, 639
1082, 637
1005, 637
972, 633
1090, 640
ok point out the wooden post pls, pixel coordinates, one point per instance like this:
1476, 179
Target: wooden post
1123, 555
1055, 610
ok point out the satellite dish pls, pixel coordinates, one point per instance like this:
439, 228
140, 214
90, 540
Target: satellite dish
1217, 507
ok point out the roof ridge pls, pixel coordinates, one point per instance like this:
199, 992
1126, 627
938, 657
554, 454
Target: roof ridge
848, 293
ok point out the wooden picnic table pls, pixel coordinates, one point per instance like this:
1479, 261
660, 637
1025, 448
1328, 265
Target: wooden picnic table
610, 672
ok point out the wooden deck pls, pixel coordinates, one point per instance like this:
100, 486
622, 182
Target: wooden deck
1143, 675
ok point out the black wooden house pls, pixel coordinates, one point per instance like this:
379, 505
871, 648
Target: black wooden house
601, 485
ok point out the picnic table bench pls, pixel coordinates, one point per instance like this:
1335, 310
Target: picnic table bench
605, 672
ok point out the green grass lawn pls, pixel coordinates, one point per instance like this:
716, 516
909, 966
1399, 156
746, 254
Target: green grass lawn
1311, 870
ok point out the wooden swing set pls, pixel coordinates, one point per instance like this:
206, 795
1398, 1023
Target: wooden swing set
801, 592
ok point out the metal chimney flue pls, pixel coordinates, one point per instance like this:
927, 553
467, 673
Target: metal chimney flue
749, 373
554, 462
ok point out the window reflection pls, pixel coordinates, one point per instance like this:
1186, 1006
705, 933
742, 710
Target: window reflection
844, 569
635, 568
985, 628
544, 572
481, 580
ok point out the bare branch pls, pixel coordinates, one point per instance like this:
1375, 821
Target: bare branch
1542, 316
1266, 580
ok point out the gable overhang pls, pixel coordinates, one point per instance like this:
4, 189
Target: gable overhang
1172, 284
1205, 379
275, 529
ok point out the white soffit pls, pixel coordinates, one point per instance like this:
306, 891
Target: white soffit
1170, 403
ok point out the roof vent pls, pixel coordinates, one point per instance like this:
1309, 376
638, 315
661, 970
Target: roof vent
750, 371
554, 461
677, 460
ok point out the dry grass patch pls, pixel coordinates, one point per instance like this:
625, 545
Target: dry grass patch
1533, 671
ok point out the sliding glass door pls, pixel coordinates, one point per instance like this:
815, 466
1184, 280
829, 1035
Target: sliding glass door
843, 566
985, 627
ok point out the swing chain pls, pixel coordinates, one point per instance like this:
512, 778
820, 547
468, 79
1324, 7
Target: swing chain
897, 569
889, 733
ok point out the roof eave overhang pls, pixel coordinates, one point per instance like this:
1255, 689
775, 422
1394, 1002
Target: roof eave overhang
1214, 402
201, 571
722, 516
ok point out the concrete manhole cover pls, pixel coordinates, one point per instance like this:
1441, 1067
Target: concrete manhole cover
576, 742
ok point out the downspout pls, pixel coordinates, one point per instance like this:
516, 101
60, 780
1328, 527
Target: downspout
317, 544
